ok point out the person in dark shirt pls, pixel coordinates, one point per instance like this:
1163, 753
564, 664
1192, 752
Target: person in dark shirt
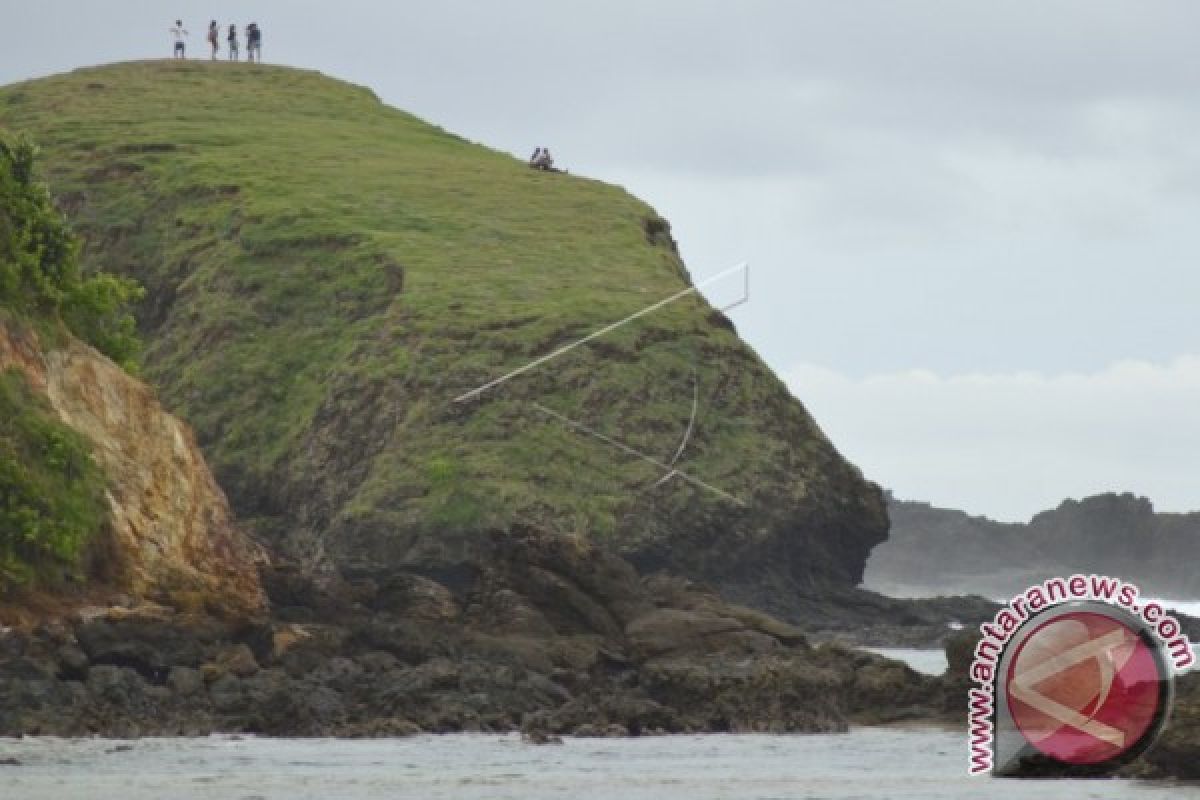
253, 42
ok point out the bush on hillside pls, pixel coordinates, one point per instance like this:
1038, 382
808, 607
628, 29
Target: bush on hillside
51, 491
40, 276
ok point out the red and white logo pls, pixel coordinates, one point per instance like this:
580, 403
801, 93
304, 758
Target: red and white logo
1085, 688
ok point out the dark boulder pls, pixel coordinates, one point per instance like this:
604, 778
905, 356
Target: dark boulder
118, 686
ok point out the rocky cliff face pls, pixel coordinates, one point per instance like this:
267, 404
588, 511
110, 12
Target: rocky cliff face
170, 536
937, 551
325, 274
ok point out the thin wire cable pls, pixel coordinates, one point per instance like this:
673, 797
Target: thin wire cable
537, 362
687, 433
624, 448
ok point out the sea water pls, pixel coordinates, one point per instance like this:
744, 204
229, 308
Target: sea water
865, 764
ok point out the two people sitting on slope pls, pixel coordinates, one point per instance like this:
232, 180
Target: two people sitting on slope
541, 159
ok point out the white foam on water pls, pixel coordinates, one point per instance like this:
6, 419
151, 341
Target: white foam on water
928, 661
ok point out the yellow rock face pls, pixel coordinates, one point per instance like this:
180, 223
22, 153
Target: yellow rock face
172, 535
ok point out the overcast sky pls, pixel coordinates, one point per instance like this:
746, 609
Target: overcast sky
972, 225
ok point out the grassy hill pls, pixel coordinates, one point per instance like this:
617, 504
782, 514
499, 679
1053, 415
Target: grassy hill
325, 273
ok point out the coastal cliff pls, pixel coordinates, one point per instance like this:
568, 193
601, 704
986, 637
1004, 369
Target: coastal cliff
169, 536
324, 274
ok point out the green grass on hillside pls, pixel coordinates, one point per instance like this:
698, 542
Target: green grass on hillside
325, 273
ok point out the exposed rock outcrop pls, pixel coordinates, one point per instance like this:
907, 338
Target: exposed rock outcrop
170, 536
549, 634
1176, 754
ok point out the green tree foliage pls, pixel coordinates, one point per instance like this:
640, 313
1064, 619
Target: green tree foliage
40, 276
97, 312
51, 492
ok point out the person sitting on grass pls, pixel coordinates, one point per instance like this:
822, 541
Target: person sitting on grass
542, 159
179, 33
233, 45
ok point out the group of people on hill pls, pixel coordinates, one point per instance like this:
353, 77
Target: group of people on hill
541, 159
253, 40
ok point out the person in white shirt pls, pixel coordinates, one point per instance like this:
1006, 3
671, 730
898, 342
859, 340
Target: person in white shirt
212, 38
179, 33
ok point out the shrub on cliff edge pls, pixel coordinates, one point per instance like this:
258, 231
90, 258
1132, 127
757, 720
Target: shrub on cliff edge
40, 276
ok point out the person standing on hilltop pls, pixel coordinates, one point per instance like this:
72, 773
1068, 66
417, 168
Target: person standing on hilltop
179, 33
212, 38
231, 39
253, 42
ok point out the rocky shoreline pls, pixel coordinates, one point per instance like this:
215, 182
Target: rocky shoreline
643, 656
552, 636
